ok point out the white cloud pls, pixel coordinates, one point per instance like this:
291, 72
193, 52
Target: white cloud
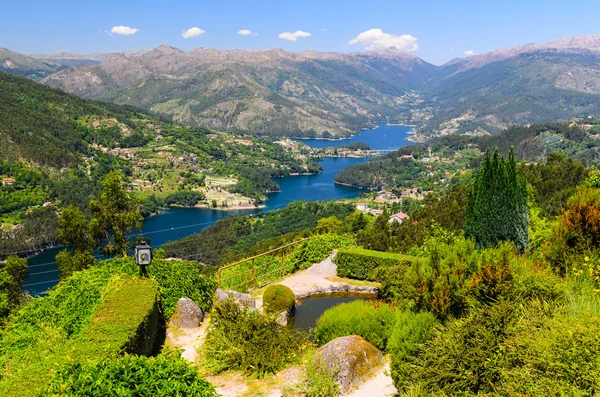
294, 36
192, 32
376, 38
470, 52
123, 30
245, 32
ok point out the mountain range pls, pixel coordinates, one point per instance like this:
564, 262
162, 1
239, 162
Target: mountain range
274, 92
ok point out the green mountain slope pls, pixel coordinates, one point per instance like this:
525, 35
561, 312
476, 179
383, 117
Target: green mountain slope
445, 159
40, 124
56, 147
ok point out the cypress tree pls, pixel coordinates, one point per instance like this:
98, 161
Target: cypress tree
497, 203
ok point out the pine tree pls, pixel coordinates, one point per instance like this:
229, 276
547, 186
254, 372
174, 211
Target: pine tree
497, 204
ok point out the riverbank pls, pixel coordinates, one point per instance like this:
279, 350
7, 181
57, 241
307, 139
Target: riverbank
350, 185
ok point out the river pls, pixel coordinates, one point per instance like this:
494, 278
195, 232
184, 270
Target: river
175, 223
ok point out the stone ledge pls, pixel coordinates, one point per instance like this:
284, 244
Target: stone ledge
339, 288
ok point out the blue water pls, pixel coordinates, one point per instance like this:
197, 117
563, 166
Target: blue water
175, 223
384, 137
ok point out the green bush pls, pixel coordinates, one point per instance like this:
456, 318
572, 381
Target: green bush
178, 279
463, 358
409, 332
358, 263
370, 319
530, 349
279, 298
244, 340
320, 380
164, 375
317, 248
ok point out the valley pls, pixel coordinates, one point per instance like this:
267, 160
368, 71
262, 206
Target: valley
331, 95
299, 199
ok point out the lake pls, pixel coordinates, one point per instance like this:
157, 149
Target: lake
384, 137
175, 223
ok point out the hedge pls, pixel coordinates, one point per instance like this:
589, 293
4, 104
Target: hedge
358, 263
93, 320
127, 321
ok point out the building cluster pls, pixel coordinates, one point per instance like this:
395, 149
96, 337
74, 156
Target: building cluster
398, 217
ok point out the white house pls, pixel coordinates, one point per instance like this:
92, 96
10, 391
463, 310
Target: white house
362, 206
399, 217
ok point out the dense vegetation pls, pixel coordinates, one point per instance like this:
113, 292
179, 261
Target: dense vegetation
247, 341
165, 375
69, 325
509, 319
232, 237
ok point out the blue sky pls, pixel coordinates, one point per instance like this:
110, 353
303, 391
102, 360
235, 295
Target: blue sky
441, 30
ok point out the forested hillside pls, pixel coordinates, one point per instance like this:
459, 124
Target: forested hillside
56, 148
450, 156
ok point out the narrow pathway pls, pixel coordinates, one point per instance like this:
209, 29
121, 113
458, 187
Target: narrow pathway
378, 386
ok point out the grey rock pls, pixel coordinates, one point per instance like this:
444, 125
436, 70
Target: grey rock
351, 359
340, 288
282, 318
245, 300
187, 314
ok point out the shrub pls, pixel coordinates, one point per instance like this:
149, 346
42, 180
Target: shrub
279, 298
164, 375
320, 380
178, 279
247, 341
317, 248
371, 320
409, 332
454, 277
358, 263
392, 280
531, 349
577, 231
464, 357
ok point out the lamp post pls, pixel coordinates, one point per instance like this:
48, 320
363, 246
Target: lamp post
143, 256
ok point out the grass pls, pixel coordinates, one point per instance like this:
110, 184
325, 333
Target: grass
358, 283
213, 181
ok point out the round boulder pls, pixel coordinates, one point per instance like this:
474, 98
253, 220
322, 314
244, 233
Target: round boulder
245, 300
187, 314
351, 360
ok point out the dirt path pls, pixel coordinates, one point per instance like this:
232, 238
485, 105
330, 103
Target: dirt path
378, 386
189, 340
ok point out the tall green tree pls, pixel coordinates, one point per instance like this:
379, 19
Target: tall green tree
497, 204
12, 275
74, 230
115, 214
